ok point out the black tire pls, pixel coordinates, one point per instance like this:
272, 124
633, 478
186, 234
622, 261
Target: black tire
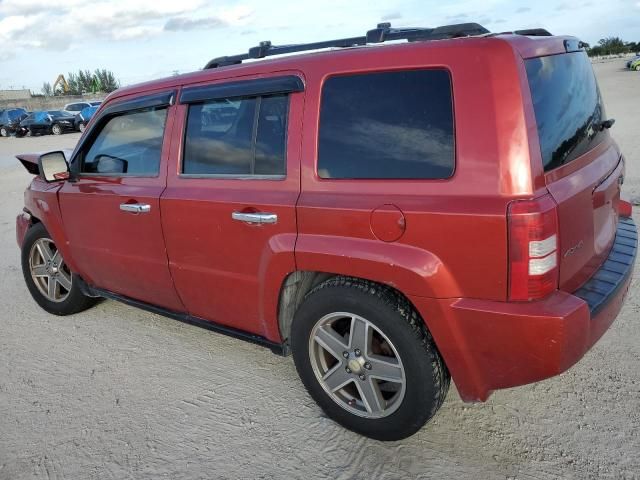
4, 132
426, 376
75, 301
82, 127
56, 129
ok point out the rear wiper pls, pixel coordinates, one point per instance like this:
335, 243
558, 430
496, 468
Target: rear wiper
606, 123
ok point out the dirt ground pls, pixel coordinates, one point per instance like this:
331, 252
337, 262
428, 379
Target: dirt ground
118, 393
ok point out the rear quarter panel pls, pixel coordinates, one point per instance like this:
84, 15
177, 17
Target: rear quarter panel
455, 243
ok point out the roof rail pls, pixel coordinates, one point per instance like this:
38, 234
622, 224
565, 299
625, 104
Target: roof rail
382, 33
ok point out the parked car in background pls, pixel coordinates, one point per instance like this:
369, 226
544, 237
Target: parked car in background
10, 119
635, 65
45, 122
84, 116
634, 59
340, 206
76, 107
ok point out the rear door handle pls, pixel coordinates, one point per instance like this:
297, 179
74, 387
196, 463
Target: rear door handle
255, 217
135, 207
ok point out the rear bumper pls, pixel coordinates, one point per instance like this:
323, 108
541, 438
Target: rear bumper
491, 345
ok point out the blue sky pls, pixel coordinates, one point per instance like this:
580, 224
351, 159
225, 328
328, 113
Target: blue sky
145, 39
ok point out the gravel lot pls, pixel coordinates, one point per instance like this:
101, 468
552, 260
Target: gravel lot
118, 393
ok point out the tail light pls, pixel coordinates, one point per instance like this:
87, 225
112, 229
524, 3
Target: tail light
533, 248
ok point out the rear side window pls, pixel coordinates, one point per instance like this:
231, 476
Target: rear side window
567, 105
237, 137
128, 144
389, 125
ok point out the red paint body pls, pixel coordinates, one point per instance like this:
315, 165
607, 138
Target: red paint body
442, 243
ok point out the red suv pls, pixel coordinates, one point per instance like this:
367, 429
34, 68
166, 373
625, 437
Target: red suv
392, 214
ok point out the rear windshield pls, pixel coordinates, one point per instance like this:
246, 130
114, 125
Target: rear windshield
568, 106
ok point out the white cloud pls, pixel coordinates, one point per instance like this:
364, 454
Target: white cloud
55, 26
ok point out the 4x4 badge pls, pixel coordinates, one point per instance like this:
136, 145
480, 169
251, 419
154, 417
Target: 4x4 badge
574, 249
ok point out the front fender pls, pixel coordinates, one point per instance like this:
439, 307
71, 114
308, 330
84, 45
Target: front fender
409, 269
41, 201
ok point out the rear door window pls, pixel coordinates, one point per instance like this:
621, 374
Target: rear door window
387, 125
237, 137
568, 106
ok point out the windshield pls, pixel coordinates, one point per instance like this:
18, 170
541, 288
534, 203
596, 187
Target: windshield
567, 105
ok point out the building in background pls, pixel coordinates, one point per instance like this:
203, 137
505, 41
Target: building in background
13, 95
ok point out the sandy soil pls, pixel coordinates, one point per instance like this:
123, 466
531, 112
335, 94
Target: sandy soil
117, 393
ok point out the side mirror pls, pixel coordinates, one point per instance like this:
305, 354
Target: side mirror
53, 167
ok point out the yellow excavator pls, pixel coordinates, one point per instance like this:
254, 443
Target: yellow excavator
62, 82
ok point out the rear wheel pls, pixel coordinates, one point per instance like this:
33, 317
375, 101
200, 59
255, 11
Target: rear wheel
638, 68
51, 284
367, 359
82, 127
56, 129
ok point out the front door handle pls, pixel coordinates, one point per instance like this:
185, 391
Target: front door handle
135, 207
255, 217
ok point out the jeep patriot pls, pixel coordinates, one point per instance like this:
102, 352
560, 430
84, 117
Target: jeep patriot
394, 214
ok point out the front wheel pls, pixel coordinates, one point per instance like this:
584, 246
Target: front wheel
82, 127
51, 284
4, 132
56, 129
637, 68
367, 359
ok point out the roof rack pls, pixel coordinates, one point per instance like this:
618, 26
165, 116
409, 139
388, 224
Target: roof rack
534, 32
382, 33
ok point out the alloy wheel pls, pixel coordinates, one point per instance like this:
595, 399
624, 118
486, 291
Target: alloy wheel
48, 270
357, 365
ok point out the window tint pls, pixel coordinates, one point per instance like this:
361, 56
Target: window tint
567, 105
387, 125
271, 136
237, 137
128, 144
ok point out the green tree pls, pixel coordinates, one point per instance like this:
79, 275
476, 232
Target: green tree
74, 84
612, 45
85, 80
47, 91
106, 80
